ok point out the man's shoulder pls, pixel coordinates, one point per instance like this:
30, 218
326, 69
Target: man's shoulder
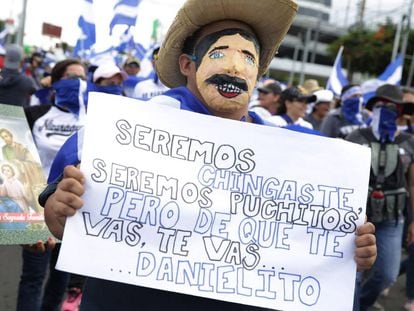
261, 111
277, 120
361, 136
166, 101
25, 83
304, 123
144, 83
405, 139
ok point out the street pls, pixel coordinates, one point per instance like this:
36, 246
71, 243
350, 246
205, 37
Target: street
10, 263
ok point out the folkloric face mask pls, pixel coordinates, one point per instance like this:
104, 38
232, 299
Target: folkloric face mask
226, 74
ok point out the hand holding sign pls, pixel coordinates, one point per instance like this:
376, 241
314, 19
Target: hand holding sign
366, 251
165, 209
65, 201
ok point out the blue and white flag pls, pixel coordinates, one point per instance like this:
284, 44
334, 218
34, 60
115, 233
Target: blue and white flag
86, 23
337, 79
393, 72
127, 43
391, 75
125, 13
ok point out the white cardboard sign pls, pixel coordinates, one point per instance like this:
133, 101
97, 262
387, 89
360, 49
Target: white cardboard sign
217, 208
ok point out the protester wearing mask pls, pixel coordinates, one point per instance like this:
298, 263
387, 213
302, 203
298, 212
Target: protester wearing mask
349, 116
391, 185
108, 78
51, 126
212, 66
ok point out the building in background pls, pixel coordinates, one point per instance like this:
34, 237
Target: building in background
304, 52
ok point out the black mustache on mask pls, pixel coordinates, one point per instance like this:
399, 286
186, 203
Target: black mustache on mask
220, 79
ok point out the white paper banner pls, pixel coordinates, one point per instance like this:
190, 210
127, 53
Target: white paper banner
217, 208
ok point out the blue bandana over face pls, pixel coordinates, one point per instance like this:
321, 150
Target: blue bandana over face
108, 89
351, 109
70, 95
384, 124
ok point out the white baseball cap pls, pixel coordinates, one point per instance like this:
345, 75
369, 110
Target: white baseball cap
108, 70
324, 96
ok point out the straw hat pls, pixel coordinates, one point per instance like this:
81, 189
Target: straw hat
311, 85
269, 19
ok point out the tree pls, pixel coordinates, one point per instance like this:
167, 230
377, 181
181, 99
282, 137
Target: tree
365, 50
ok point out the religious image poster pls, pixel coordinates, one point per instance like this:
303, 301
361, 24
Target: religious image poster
200, 205
21, 181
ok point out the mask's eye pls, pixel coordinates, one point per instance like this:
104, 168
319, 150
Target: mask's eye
250, 60
216, 55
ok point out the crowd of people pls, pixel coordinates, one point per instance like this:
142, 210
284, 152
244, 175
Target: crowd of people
383, 123
54, 95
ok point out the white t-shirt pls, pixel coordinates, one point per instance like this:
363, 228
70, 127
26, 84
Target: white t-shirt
262, 112
50, 132
149, 88
281, 122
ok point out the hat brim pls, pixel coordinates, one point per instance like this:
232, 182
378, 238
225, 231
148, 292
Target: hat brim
263, 90
122, 73
308, 98
269, 19
132, 63
371, 102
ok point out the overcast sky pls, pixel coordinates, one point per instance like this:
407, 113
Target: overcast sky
344, 12
65, 13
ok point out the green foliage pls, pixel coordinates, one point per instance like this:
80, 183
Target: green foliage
366, 50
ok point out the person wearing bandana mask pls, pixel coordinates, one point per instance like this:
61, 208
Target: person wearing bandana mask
51, 126
108, 78
348, 117
211, 58
391, 187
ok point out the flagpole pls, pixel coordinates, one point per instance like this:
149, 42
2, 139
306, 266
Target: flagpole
22, 24
407, 31
397, 39
410, 72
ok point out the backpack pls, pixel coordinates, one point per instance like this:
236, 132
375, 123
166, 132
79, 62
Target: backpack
387, 192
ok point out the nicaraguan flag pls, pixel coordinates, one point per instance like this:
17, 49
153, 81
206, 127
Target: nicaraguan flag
127, 42
125, 13
337, 79
391, 75
393, 72
86, 23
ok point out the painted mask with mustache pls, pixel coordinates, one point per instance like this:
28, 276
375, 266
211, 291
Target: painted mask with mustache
227, 73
